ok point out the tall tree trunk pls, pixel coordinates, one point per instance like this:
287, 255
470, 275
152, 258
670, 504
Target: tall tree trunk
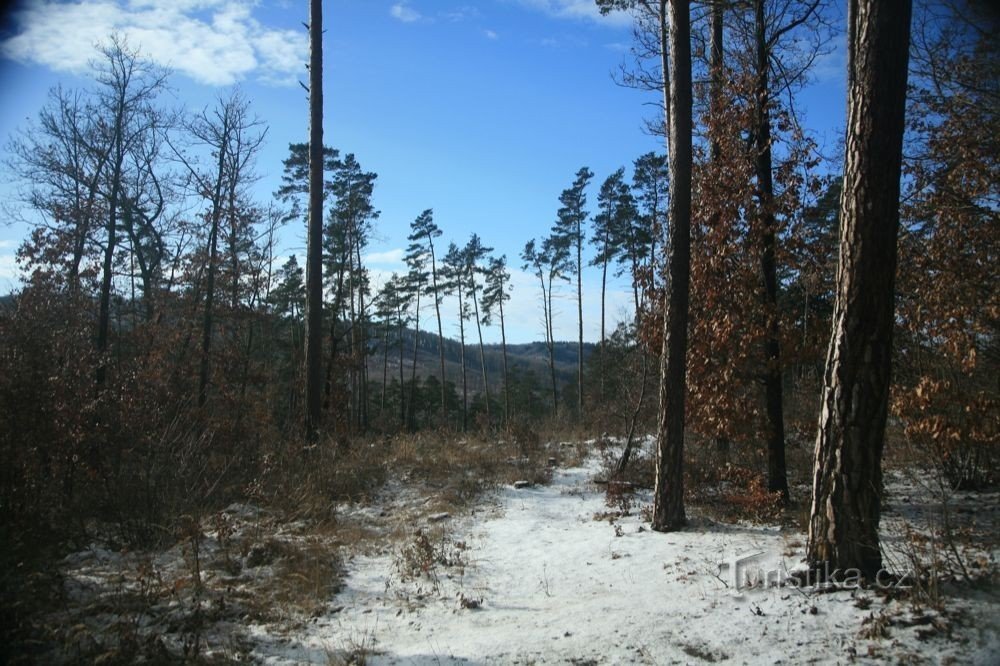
482, 349
847, 481
668, 498
663, 23
385, 368
104, 313
207, 321
503, 346
402, 386
413, 370
338, 304
717, 74
314, 250
777, 480
550, 342
579, 319
461, 337
437, 310
354, 410
604, 288
362, 341
213, 242
716, 108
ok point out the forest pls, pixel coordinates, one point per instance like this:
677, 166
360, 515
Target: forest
804, 330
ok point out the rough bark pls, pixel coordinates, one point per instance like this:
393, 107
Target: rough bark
668, 499
314, 250
847, 473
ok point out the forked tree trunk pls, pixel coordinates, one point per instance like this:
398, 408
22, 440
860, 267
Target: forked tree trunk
668, 496
482, 349
847, 473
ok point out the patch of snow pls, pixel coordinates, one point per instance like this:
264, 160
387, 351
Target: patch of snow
544, 581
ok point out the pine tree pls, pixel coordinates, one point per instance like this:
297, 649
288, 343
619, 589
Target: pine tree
847, 482
423, 231
611, 230
496, 291
453, 272
314, 235
668, 498
567, 239
474, 253
415, 285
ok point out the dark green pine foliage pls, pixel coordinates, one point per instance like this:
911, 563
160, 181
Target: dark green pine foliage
475, 254
423, 231
416, 282
614, 235
348, 230
454, 282
496, 291
650, 189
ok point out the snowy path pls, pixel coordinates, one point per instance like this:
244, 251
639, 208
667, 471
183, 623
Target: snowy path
557, 586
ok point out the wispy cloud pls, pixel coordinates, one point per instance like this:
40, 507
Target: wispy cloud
831, 65
491, 34
215, 42
462, 13
581, 10
402, 11
387, 258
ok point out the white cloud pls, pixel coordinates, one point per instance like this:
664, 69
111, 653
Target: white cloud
403, 12
490, 34
215, 42
581, 10
462, 13
388, 258
831, 66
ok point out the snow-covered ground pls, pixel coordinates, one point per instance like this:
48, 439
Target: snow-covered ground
532, 577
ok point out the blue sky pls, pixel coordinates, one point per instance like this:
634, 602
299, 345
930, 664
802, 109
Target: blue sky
482, 111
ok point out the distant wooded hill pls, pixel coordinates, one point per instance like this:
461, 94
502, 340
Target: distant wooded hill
524, 358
